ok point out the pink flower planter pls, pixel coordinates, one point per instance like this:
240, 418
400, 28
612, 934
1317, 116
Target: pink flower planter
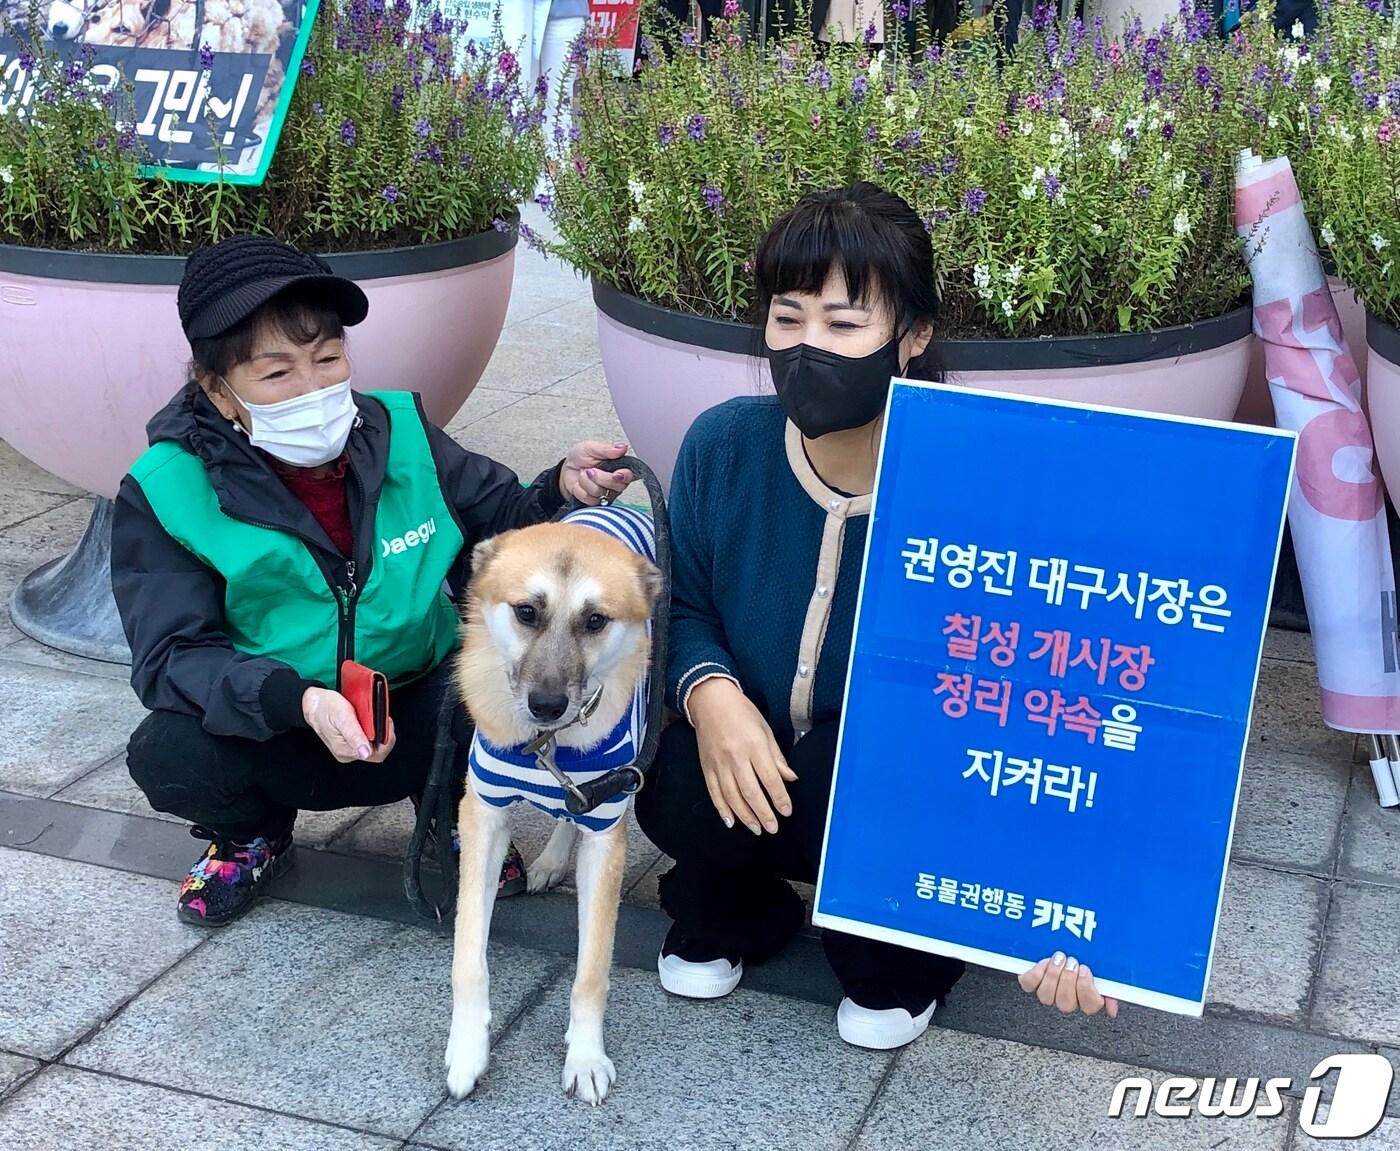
1383, 374
664, 368
91, 348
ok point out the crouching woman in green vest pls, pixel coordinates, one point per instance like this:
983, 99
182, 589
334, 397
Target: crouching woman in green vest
278, 525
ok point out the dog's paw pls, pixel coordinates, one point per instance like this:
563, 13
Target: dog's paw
588, 1075
552, 865
467, 1054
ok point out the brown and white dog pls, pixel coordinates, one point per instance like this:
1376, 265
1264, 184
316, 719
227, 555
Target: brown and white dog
556, 624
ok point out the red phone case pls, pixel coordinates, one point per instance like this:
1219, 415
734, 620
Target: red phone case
360, 685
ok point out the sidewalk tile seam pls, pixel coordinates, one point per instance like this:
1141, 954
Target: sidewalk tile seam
190, 1093
65, 502
120, 757
116, 1013
15, 662
875, 1095
1320, 958
552, 978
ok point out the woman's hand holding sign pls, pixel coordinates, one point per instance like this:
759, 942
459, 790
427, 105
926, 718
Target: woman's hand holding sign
744, 769
1063, 983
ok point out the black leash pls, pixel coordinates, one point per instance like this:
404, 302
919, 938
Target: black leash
437, 808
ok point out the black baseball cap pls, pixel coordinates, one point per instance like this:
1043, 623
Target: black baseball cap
227, 282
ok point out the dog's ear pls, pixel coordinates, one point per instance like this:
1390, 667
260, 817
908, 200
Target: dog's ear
651, 580
482, 553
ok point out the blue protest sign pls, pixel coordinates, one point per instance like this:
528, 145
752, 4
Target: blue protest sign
1057, 643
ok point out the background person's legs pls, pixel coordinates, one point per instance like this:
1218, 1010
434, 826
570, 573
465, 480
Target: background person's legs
559, 36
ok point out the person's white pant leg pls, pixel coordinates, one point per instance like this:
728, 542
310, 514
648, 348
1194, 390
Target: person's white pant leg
559, 36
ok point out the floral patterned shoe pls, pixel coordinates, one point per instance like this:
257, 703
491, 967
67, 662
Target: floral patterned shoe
227, 879
512, 880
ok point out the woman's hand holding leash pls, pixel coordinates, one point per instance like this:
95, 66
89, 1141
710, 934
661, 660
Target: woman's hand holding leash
581, 479
1065, 984
739, 757
332, 717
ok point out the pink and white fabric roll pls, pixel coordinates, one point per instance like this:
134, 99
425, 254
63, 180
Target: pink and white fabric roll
1336, 510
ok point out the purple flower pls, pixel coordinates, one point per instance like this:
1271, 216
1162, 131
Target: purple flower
206, 57
927, 169
347, 133
318, 109
667, 135
102, 143
455, 128
1143, 192
1043, 17
974, 200
467, 160
531, 237
819, 77
1371, 101
933, 53
1155, 80
1358, 79
760, 138
390, 194
396, 98
1204, 76
423, 128
432, 153
909, 140
376, 67
870, 32
950, 165
1168, 131
941, 215
308, 66
1052, 187
126, 142
500, 225
860, 87
1261, 74
714, 199
26, 60
695, 127
545, 201
900, 10
872, 133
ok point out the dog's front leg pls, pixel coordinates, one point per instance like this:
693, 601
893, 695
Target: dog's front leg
588, 1072
485, 832
549, 869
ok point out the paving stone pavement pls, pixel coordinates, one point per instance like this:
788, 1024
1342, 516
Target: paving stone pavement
319, 1021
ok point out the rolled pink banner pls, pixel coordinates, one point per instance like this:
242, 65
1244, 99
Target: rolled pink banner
1336, 511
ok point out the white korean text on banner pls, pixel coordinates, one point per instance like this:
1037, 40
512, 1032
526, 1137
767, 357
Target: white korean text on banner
210, 88
1056, 649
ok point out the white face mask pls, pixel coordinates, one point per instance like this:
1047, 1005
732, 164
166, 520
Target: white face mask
305, 431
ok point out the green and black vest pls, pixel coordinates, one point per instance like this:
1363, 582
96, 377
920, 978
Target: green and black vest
279, 603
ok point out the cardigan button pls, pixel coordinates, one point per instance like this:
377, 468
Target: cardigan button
823, 591
834, 505
804, 671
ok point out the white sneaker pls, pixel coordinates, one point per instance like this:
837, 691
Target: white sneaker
712, 980
880, 1030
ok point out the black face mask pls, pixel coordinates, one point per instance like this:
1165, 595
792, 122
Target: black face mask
823, 392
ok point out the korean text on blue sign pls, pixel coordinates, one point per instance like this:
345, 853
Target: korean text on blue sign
1054, 664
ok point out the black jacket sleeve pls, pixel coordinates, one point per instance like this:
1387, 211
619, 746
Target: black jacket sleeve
171, 607
488, 497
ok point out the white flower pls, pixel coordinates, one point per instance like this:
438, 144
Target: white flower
1096, 229
1182, 224
1322, 84
1006, 309
889, 104
1273, 121
963, 126
1056, 141
1329, 237
1298, 30
1290, 56
638, 190
877, 61
1379, 242
1134, 125
6, 176
1026, 127
911, 111
1038, 175
1063, 126
984, 293
1303, 110
1178, 181
1013, 274
981, 275
1028, 191
1116, 149
1097, 113
635, 225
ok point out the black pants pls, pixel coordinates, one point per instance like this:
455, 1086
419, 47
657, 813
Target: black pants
242, 788
729, 887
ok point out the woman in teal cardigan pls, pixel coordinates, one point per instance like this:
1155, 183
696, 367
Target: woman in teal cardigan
769, 507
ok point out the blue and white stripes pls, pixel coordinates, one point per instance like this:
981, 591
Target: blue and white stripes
503, 776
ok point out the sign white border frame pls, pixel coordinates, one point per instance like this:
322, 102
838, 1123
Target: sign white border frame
1126, 992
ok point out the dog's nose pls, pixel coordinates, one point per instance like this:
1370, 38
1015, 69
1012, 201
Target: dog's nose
548, 706
59, 31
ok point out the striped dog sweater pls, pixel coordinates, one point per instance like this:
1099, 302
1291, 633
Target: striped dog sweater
502, 776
